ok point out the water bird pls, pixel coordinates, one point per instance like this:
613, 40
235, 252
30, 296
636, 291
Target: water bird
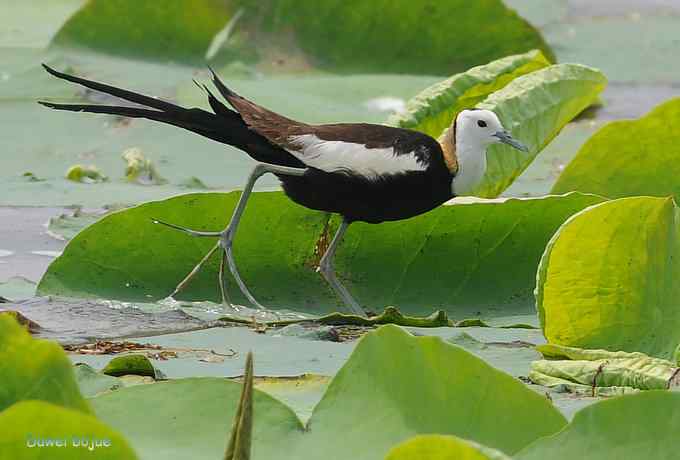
363, 172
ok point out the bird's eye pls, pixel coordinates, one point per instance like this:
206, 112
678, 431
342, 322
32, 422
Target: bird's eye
481, 123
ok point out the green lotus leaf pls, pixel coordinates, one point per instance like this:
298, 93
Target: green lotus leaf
41, 430
629, 157
535, 107
34, 369
418, 264
393, 387
350, 36
433, 109
608, 278
437, 447
643, 425
172, 29
389, 37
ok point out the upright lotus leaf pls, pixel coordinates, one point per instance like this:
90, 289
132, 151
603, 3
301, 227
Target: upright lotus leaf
35, 430
441, 260
34, 369
644, 425
400, 36
394, 386
170, 30
609, 278
437, 447
433, 109
629, 157
535, 107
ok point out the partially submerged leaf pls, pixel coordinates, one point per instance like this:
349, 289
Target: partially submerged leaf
608, 278
393, 387
601, 372
132, 364
629, 157
85, 174
390, 315
139, 169
65, 226
444, 258
437, 447
40, 430
631, 427
433, 109
92, 383
44, 364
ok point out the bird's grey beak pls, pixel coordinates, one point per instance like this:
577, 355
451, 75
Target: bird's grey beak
506, 138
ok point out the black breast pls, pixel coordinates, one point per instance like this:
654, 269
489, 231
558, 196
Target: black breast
392, 197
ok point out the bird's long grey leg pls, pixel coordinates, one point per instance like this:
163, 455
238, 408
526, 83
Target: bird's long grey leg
328, 271
227, 236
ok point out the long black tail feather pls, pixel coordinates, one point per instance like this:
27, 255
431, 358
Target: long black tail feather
224, 125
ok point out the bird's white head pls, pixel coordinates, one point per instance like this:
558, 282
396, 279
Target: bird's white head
475, 130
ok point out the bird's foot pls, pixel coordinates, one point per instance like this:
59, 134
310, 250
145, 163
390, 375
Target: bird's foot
225, 244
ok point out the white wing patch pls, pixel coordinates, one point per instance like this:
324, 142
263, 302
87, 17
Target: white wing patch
333, 156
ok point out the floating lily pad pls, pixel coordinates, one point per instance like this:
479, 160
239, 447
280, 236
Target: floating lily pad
414, 264
629, 158
608, 278
375, 401
631, 427
91, 382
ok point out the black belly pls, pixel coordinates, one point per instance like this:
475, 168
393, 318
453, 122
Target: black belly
392, 197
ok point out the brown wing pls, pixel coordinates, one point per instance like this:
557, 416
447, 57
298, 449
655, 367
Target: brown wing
276, 128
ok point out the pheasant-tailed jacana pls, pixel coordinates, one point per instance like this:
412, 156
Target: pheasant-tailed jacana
364, 172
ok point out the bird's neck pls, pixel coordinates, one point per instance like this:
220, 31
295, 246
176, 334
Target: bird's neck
466, 161
471, 159
448, 143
